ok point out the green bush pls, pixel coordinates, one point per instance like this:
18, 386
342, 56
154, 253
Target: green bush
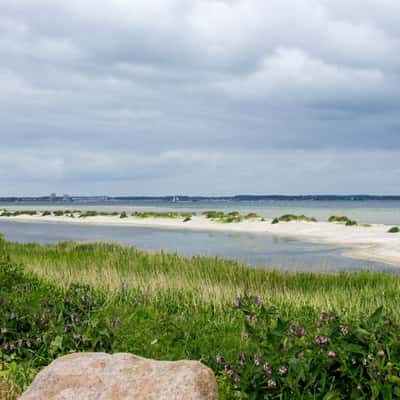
335, 218
275, 221
123, 215
333, 359
394, 229
351, 222
292, 217
187, 219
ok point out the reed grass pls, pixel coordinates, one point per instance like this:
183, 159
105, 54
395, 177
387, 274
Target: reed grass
199, 281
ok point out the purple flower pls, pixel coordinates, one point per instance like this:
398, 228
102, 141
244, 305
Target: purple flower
246, 335
28, 344
271, 383
283, 370
257, 360
236, 378
267, 369
252, 318
344, 329
381, 353
238, 302
331, 354
321, 340
115, 324
242, 358
219, 358
229, 369
78, 336
258, 301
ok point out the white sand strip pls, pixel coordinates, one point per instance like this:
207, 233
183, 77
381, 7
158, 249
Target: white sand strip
372, 243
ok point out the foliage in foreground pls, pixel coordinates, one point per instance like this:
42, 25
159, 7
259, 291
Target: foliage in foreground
331, 360
257, 351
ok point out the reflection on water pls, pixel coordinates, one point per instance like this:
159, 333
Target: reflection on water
259, 250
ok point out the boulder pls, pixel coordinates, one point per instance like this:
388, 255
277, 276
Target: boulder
100, 376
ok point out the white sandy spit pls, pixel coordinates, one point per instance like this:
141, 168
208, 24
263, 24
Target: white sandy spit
372, 243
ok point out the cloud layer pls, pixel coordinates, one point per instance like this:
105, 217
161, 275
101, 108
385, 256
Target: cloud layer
199, 97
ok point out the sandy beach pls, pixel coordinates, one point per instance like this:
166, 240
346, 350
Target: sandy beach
372, 243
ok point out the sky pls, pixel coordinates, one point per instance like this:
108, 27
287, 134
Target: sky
200, 97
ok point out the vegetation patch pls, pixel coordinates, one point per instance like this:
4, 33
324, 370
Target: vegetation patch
292, 217
232, 216
325, 337
394, 229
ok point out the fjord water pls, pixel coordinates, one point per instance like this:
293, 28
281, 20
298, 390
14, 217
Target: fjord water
260, 250
364, 211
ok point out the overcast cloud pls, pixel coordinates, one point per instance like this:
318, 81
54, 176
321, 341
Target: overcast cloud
199, 97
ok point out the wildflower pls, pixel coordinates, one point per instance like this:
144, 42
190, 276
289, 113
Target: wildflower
359, 387
78, 336
267, 369
252, 318
257, 360
321, 319
246, 335
3, 331
370, 357
67, 300
344, 329
321, 340
238, 302
13, 316
283, 370
236, 378
381, 353
332, 354
66, 329
271, 383
28, 344
353, 361
115, 324
219, 358
297, 330
229, 369
242, 358
258, 301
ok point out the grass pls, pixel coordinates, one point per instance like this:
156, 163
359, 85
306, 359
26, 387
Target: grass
230, 217
213, 282
165, 306
292, 217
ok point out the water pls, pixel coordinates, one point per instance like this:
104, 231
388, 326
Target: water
364, 211
259, 250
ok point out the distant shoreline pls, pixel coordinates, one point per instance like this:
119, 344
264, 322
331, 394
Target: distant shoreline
372, 243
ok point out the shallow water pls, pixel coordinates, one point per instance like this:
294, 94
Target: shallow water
364, 211
259, 250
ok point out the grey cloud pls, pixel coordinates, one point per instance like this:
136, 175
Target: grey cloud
125, 83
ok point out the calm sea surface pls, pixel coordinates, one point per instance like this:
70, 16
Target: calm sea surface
366, 211
260, 250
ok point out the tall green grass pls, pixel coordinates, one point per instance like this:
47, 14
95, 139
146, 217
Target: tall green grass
199, 281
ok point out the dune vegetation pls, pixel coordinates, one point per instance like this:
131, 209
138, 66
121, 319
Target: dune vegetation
265, 333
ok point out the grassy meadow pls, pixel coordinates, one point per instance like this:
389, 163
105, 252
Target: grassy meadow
105, 297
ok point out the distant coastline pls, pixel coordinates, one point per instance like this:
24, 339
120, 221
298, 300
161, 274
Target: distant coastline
185, 198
